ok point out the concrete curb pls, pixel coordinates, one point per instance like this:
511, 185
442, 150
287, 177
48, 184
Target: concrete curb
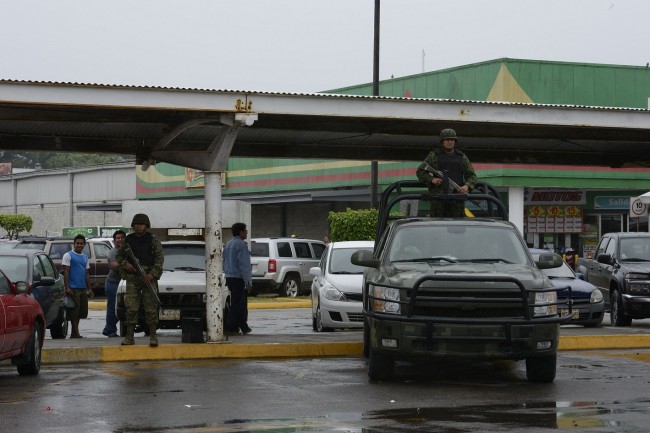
299, 303
598, 342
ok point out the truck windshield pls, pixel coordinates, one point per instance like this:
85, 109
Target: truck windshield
635, 249
453, 243
184, 257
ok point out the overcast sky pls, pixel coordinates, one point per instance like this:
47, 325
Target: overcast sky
303, 45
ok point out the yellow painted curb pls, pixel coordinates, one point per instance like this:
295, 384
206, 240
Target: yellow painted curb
591, 342
166, 352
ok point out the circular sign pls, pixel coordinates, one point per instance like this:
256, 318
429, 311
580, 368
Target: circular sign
637, 208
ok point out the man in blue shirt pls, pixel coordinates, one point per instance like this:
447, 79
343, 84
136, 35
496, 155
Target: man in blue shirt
239, 278
77, 283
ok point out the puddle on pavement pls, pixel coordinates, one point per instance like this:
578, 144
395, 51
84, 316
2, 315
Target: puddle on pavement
531, 417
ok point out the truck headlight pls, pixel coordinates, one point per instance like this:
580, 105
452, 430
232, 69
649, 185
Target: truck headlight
542, 298
637, 284
333, 294
382, 297
596, 296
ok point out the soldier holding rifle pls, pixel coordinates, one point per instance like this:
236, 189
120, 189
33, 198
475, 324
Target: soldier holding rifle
141, 277
456, 166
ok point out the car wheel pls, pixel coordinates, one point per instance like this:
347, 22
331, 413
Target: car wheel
32, 355
380, 367
541, 369
59, 328
319, 322
617, 316
290, 287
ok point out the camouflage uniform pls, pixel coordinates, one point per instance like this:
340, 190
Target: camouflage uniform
136, 288
446, 208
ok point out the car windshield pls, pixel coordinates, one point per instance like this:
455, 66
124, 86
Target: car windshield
340, 261
635, 249
445, 244
14, 267
184, 257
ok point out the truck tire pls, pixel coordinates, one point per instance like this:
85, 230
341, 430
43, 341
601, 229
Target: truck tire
541, 369
290, 287
380, 367
616, 316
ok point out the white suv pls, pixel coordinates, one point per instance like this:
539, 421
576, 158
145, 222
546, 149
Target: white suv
283, 263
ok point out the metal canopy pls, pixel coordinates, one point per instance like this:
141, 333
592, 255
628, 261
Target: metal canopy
183, 126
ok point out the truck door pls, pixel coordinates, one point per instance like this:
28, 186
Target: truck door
99, 267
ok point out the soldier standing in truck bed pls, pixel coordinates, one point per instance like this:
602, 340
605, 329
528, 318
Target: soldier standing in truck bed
458, 168
149, 252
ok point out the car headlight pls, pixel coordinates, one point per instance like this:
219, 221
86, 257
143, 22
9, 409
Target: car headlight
596, 296
333, 294
542, 298
637, 284
382, 296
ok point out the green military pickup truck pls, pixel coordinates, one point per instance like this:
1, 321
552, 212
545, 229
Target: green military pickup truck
456, 288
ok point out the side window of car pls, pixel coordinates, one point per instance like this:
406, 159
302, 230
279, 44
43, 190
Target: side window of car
38, 272
611, 247
58, 250
284, 249
4, 285
318, 249
302, 250
101, 250
48, 267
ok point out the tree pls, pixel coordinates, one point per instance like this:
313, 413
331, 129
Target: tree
50, 160
15, 224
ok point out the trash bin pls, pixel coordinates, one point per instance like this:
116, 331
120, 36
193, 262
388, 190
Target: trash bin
192, 328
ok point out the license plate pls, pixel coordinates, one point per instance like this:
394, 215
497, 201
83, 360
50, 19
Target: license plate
575, 316
169, 315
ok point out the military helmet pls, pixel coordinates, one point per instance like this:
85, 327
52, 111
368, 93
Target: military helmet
448, 133
141, 218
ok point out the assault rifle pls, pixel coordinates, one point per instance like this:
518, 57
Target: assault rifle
453, 186
138, 267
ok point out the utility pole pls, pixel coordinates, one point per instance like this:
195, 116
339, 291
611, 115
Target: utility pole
374, 165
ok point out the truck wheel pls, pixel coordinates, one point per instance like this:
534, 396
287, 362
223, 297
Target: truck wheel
59, 328
290, 287
541, 369
380, 367
616, 316
32, 355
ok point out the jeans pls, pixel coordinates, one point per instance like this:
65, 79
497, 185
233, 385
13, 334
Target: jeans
111, 318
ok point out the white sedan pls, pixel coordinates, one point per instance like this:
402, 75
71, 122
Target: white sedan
336, 292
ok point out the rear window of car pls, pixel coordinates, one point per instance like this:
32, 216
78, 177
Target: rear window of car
57, 250
259, 249
14, 267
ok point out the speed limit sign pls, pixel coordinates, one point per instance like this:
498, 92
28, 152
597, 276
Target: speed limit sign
637, 208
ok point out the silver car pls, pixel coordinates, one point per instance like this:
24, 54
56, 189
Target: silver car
336, 291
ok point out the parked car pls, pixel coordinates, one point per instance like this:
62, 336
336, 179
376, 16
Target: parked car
32, 242
283, 264
96, 249
181, 287
588, 303
336, 295
8, 244
21, 326
44, 281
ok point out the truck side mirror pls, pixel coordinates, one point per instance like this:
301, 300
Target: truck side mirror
605, 259
364, 258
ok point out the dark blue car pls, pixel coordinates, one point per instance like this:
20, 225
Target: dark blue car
588, 304
45, 284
